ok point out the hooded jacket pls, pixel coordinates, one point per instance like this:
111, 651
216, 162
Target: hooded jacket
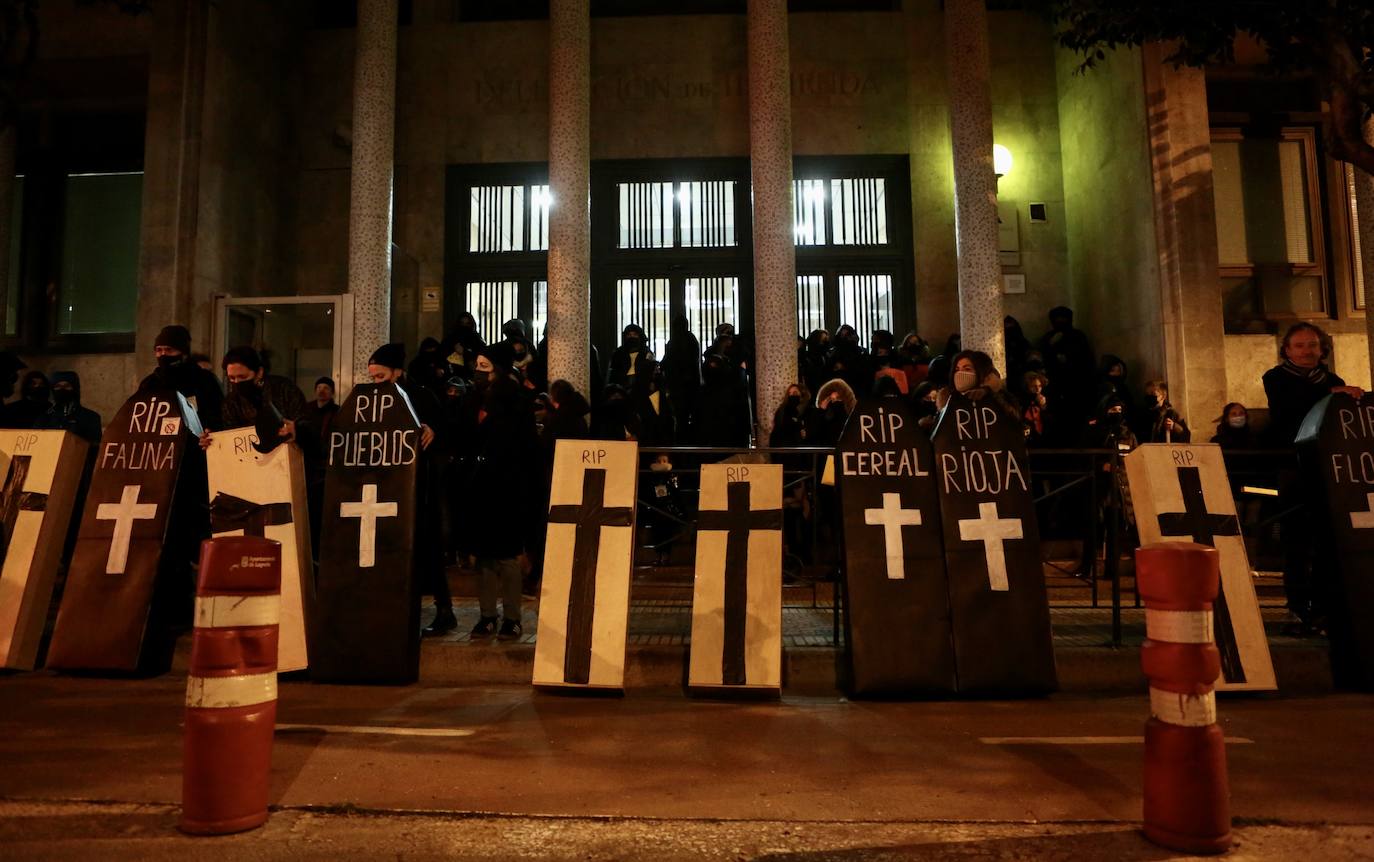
72, 416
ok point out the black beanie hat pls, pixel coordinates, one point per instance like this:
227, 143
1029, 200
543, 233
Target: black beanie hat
391, 355
174, 336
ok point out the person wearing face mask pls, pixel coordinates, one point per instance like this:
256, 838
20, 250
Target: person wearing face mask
631, 358
1233, 428
849, 361
499, 493
387, 365
175, 370
794, 420
1037, 415
835, 401
653, 411
34, 401
1108, 429
975, 378
1159, 421
67, 412
10, 366
271, 402
462, 344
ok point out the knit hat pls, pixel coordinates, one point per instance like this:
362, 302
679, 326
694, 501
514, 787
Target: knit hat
391, 355
174, 336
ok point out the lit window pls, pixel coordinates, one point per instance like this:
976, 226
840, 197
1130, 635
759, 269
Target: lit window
808, 212
98, 290
644, 301
541, 311
491, 304
711, 302
708, 213
866, 303
810, 304
858, 211
1357, 262
646, 215
508, 218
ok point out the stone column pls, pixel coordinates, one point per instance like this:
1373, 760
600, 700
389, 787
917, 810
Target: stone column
975, 184
770, 164
370, 191
570, 238
1364, 215
168, 224
1191, 309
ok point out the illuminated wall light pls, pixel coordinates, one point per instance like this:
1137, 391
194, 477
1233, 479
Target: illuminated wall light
1001, 160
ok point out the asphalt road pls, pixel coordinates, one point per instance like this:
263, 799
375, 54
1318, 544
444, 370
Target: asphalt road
1052, 778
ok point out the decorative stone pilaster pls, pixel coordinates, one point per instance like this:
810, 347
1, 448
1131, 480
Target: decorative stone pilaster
770, 162
370, 191
570, 242
975, 184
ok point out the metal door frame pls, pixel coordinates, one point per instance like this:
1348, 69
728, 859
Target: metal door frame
342, 361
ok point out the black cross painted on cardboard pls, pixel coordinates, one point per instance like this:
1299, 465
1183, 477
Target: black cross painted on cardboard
1203, 527
589, 517
737, 520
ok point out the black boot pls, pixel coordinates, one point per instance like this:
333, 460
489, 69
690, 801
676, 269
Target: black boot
444, 622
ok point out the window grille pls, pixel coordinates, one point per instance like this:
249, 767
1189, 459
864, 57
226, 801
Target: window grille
708, 213
540, 316
866, 303
644, 301
808, 211
810, 304
858, 211
711, 302
491, 304
646, 215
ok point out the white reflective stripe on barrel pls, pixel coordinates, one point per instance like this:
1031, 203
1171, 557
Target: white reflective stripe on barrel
223, 612
228, 691
1179, 627
1185, 710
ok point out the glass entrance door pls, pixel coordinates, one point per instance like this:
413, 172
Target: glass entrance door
303, 338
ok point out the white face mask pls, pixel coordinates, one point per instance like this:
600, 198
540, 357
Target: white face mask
1236, 421
965, 380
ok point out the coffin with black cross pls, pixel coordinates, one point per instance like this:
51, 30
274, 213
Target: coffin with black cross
584, 601
1337, 445
737, 593
365, 627
1180, 492
258, 493
103, 621
1001, 615
42, 471
897, 624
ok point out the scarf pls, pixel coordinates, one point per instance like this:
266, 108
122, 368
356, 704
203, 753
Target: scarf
1311, 375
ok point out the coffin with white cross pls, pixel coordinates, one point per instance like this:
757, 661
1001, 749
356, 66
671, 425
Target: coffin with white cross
365, 626
897, 626
256, 493
584, 601
737, 593
1000, 611
1180, 492
42, 471
1337, 443
103, 621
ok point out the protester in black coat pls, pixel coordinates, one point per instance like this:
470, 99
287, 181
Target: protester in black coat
1299, 381
172, 347
33, 404
1294, 387
724, 416
632, 358
1070, 366
1017, 346
814, 357
682, 372
499, 506
67, 412
462, 344
1159, 421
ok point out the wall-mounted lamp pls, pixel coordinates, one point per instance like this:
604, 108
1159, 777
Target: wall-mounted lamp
1001, 160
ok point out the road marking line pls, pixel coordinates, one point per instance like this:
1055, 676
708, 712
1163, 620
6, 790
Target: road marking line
377, 729
1084, 740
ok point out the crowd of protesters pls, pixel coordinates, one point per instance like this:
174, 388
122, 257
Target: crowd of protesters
490, 417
